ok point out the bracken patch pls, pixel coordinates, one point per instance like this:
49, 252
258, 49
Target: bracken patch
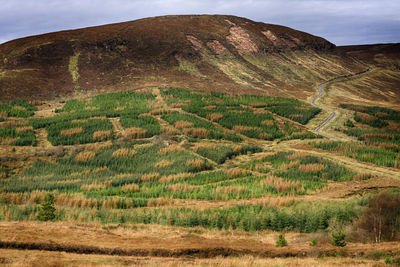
123, 152
314, 167
196, 132
163, 164
85, 156
101, 135
72, 131
98, 146
198, 163
183, 124
135, 133
170, 149
130, 188
214, 116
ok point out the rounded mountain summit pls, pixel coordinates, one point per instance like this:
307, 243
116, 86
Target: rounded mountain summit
208, 52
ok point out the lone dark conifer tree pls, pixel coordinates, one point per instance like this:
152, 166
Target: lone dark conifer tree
47, 210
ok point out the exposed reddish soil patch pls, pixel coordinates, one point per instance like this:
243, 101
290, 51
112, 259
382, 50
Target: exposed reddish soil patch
216, 46
240, 39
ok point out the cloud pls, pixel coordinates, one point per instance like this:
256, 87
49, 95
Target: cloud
340, 21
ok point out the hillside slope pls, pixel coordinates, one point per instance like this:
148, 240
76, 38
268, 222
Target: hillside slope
209, 52
381, 86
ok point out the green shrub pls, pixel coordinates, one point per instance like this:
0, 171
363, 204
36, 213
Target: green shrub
338, 239
313, 242
281, 242
388, 260
47, 209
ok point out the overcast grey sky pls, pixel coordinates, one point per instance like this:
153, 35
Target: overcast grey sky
341, 22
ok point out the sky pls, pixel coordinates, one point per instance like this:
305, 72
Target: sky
342, 22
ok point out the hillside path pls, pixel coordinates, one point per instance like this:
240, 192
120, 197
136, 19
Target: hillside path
321, 93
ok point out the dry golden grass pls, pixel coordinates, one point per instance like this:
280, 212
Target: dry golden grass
119, 108
163, 164
379, 136
97, 170
237, 148
135, 133
130, 188
198, 163
3, 114
178, 105
313, 167
362, 176
8, 140
101, 135
169, 129
297, 155
236, 172
383, 145
198, 146
210, 107
19, 108
259, 111
198, 92
368, 155
230, 189
261, 166
282, 185
92, 108
264, 136
161, 201
94, 186
13, 123
214, 116
108, 183
381, 114
150, 238
24, 129
85, 156
98, 146
268, 123
289, 165
15, 257
366, 117
175, 177
237, 111
183, 124
170, 149
113, 203
124, 152
76, 201
241, 128
72, 131
196, 132
150, 176
98, 118
181, 188
79, 121
159, 111
33, 197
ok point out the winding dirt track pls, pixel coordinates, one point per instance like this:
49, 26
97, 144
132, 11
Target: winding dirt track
321, 93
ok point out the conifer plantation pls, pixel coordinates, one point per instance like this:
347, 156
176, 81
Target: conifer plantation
198, 141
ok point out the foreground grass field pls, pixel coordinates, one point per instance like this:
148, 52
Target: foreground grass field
217, 174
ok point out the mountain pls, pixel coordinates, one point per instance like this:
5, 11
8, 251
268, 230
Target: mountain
209, 52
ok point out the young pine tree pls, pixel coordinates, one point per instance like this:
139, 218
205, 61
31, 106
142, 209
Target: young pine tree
47, 209
281, 242
338, 239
